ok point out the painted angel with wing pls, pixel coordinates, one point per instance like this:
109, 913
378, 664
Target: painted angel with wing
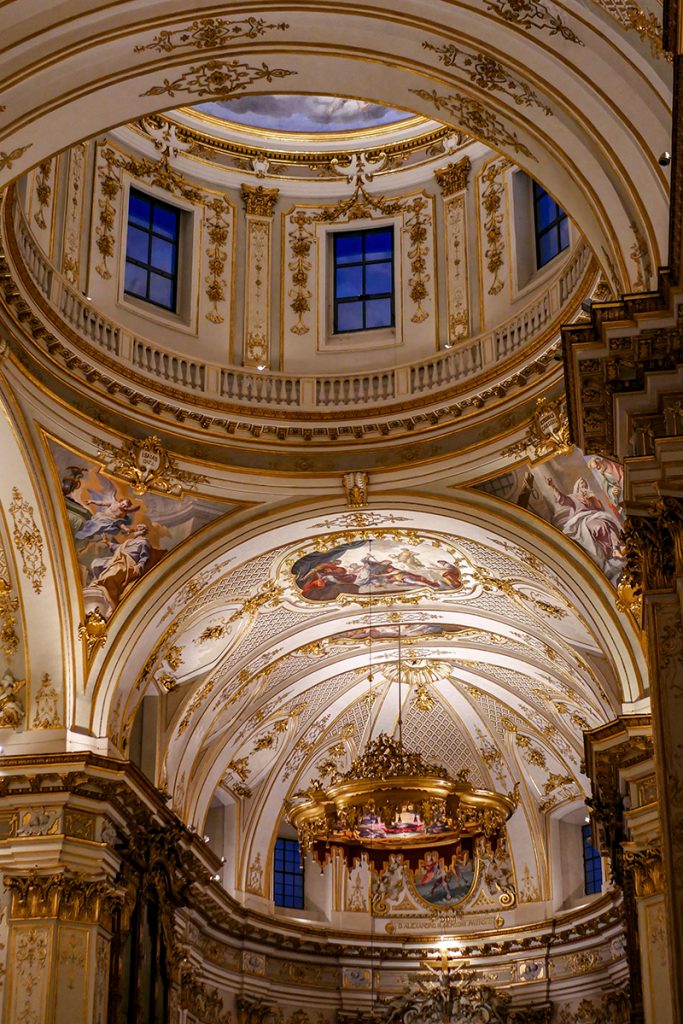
114, 514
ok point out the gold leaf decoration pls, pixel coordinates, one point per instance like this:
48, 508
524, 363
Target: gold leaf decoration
28, 540
473, 116
492, 197
532, 14
210, 34
146, 465
217, 79
488, 74
7, 159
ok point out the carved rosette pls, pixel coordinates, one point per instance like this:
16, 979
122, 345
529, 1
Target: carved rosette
259, 205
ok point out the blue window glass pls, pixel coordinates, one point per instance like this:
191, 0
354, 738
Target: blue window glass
288, 875
551, 227
363, 280
152, 250
592, 863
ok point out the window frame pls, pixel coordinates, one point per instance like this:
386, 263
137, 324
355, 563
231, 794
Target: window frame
592, 863
154, 202
291, 853
554, 226
365, 296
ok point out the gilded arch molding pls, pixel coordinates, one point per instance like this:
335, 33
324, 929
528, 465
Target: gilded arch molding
597, 158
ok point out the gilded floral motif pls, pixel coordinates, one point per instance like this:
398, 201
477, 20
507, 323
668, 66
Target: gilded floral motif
218, 230
533, 14
28, 540
492, 198
210, 34
488, 74
217, 79
473, 116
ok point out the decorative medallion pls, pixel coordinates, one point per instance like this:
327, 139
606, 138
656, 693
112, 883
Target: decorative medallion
146, 465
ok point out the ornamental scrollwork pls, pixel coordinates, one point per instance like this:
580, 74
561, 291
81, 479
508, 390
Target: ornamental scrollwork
146, 465
93, 631
7, 159
218, 230
449, 995
28, 540
473, 117
210, 34
653, 545
533, 14
548, 433
9, 606
301, 240
492, 197
647, 868
488, 74
43, 192
217, 79
416, 221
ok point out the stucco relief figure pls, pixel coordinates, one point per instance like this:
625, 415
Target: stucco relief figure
46, 706
390, 885
11, 707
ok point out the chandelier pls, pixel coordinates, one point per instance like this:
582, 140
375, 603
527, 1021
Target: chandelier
391, 797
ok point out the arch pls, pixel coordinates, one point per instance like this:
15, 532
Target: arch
594, 153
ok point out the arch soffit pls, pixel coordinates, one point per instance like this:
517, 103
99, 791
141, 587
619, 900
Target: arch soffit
599, 184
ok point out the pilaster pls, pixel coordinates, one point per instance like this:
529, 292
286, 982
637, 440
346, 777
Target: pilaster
259, 205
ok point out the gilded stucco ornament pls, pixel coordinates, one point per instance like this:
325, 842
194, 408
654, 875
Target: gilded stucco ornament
218, 230
9, 606
7, 159
210, 34
301, 240
46, 714
217, 79
259, 201
356, 488
453, 178
548, 433
93, 631
28, 540
492, 199
450, 995
147, 465
487, 73
532, 14
474, 117
11, 706
43, 192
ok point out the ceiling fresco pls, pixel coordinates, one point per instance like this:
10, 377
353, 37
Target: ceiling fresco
119, 536
306, 114
579, 494
375, 567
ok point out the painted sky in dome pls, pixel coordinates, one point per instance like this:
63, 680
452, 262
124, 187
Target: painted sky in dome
308, 114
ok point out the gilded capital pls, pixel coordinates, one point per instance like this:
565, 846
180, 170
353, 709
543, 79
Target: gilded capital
647, 868
259, 201
453, 177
